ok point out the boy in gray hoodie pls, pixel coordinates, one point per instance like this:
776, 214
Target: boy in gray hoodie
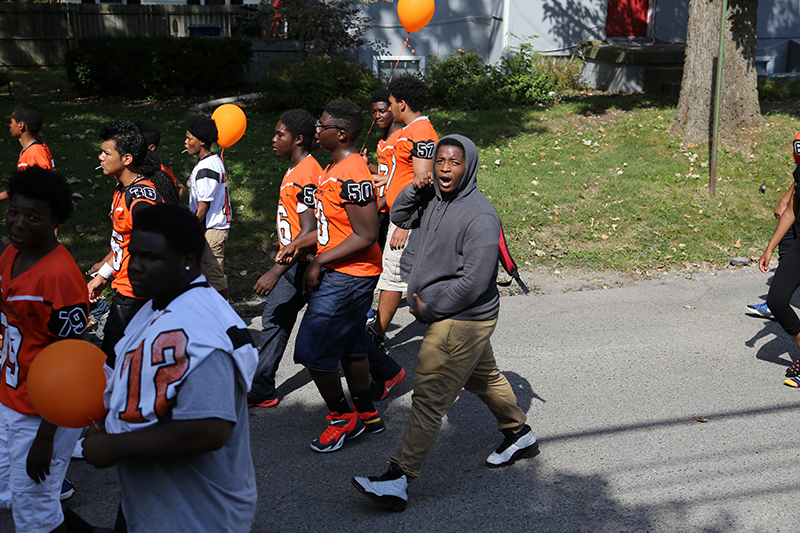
452, 288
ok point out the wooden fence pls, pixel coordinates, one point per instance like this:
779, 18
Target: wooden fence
38, 35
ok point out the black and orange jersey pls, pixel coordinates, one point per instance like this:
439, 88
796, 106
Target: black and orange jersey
415, 140
387, 162
796, 148
126, 199
297, 194
36, 155
348, 181
46, 303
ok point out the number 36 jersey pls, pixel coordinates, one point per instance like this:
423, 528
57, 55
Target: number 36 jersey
347, 182
40, 306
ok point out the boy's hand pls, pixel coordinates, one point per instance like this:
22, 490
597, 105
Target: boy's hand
380, 181
415, 310
311, 277
96, 286
265, 283
288, 254
99, 451
37, 465
399, 238
423, 179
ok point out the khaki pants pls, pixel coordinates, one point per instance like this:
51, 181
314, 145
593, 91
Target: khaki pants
213, 257
455, 354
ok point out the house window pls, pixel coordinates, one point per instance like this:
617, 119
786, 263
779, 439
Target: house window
384, 66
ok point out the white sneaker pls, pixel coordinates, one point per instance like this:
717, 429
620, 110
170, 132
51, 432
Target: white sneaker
515, 446
77, 453
388, 490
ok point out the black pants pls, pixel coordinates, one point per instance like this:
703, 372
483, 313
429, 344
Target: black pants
122, 310
785, 283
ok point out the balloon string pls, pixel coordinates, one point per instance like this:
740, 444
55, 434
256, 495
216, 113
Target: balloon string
222, 155
405, 43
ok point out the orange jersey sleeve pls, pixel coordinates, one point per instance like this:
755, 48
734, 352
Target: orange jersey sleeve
415, 140
297, 194
387, 162
36, 155
349, 181
47, 303
796, 148
125, 199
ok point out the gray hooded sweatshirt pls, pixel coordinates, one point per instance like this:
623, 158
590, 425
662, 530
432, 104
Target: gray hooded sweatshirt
455, 265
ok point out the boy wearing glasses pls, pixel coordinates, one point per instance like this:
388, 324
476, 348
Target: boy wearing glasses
340, 280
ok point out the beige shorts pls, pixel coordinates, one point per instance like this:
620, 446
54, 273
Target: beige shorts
397, 263
211, 264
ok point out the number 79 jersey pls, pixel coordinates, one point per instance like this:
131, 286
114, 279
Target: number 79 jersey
45, 304
347, 182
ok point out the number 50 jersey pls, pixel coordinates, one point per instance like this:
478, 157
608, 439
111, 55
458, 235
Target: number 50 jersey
347, 182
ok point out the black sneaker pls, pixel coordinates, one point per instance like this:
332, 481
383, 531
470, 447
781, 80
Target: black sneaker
388, 490
515, 446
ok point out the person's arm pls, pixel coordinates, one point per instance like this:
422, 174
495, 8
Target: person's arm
409, 205
104, 272
783, 203
202, 209
479, 270
40, 454
785, 222
176, 437
423, 169
364, 221
181, 189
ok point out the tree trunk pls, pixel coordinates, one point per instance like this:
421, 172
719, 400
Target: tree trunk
739, 97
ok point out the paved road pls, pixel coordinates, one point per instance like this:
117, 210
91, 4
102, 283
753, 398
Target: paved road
611, 381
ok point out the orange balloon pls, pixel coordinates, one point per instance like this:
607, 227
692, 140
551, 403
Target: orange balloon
66, 383
231, 124
415, 14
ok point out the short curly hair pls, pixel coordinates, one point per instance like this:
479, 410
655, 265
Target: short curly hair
30, 115
151, 133
381, 95
127, 140
348, 116
37, 183
182, 230
300, 122
410, 89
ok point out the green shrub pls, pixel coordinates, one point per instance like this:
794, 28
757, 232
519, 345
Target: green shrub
313, 81
157, 67
461, 81
777, 89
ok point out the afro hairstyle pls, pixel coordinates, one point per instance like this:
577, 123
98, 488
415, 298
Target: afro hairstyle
204, 128
49, 186
381, 95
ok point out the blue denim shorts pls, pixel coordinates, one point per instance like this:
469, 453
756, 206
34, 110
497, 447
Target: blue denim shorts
334, 324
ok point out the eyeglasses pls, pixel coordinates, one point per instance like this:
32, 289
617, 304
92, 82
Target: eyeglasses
319, 126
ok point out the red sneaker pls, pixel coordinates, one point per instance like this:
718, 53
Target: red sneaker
266, 403
345, 426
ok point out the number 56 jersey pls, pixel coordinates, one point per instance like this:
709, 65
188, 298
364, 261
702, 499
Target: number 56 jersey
40, 306
347, 182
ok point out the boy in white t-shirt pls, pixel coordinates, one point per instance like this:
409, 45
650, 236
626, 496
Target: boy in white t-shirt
208, 197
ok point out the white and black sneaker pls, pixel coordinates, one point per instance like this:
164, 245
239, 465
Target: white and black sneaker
515, 446
388, 490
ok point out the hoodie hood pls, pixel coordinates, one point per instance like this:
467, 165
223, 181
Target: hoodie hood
469, 181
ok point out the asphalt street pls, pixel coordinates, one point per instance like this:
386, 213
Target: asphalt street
659, 406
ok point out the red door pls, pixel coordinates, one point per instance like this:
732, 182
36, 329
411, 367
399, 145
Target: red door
627, 18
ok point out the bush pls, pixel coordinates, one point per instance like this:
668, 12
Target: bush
313, 81
777, 90
461, 80
157, 67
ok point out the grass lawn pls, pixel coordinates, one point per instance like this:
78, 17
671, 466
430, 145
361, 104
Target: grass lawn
594, 182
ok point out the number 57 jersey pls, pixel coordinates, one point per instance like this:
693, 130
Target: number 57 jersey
346, 182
